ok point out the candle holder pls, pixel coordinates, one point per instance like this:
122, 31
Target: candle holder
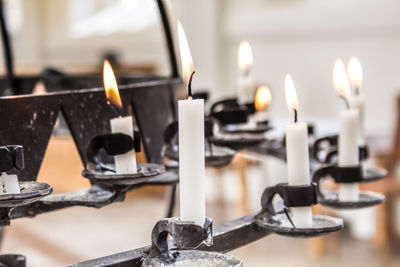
294, 196
215, 156
181, 249
12, 260
100, 167
325, 150
233, 117
344, 175
12, 161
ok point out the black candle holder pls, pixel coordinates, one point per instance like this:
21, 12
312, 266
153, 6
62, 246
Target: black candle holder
327, 146
294, 196
12, 161
349, 175
12, 260
231, 116
215, 156
101, 168
186, 238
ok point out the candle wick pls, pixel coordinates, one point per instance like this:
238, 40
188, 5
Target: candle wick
345, 101
190, 85
295, 115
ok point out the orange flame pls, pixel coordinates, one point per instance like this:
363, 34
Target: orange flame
291, 95
111, 86
186, 57
263, 98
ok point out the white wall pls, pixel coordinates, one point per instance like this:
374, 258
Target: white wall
304, 38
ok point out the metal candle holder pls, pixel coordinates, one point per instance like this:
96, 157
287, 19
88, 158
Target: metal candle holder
328, 147
349, 175
215, 156
11, 161
294, 196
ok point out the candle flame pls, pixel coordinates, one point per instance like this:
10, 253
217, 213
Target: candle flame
245, 57
291, 95
186, 57
340, 79
354, 71
111, 86
263, 98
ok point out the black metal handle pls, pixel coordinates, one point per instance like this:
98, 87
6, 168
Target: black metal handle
331, 150
113, 144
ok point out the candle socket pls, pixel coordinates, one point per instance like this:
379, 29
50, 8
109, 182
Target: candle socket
112, 144
325, 150
298, 197
348, 176
185, 235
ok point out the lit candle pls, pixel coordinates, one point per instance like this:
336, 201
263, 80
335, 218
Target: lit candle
245, 84
124, 163
297, 155
348, 137
9, 184
191, 144
357, 101
262, 100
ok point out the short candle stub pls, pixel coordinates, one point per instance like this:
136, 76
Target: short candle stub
190, 95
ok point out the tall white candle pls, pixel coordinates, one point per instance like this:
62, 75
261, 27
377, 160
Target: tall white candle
9, 184
348, 136
297, 156
191, 160
124, 163
348, 151
245, 84
191, 145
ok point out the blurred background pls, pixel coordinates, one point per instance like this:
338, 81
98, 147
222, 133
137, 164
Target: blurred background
300, 37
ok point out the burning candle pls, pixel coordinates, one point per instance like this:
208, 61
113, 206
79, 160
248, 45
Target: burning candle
357, 101
191, 144
245, 84
348, 147
125, 163
9, 184
262, 100
297, 155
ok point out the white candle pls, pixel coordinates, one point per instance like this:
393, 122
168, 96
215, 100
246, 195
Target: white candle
191, 145
297, 156
348, 151
245, 84
348, 136
124, 163
191, 160
358, 102
9, 184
